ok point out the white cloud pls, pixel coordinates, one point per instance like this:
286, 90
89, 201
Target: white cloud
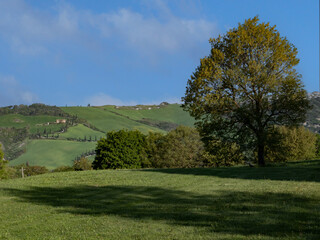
150, 34
30, 31
101, 99
12, 93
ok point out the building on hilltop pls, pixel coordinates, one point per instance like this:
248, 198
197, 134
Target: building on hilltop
61, 121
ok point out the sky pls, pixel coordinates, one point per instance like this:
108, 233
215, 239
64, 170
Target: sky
128, 52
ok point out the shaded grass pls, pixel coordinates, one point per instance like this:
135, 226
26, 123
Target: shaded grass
52, 153
292, 171
135, 204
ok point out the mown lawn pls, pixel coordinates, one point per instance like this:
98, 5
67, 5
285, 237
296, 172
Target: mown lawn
278, 202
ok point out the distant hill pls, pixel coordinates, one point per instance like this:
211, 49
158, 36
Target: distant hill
53, 136
36, 133
313, 116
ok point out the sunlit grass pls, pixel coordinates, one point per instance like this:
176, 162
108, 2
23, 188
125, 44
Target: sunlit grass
224, 203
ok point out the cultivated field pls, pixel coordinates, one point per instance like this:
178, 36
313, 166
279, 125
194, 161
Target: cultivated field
107, 121
223, 203
81, 131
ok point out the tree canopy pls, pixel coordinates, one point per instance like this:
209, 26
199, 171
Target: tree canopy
246, 86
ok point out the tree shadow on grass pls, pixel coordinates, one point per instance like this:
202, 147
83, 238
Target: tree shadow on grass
299, 171
269, 214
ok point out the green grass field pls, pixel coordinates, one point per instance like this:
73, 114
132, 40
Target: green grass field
170, 113
52, 153
106, 120
35, 123
223, 203
81, 131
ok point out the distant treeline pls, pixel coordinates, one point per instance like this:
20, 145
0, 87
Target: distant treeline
35, 109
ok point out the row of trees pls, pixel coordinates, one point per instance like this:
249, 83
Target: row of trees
183, 148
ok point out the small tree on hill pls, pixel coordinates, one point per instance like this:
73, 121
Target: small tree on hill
247, 85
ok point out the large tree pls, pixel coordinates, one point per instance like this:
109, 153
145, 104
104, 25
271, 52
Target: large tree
247, 85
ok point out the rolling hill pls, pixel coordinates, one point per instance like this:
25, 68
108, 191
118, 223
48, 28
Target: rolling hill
59, 144
52, 153
91, 124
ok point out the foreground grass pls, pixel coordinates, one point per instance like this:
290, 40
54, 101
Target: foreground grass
225, 203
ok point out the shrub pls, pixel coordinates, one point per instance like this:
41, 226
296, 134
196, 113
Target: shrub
296, 143
120, 149
3, 165
180, 148
318, 145
34, 170
82, 164
220, 153
63, 169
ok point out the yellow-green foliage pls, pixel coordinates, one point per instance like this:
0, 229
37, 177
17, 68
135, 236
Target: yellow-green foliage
221, 153
82, 164
291, 144
247, 84
3, 165
180, 148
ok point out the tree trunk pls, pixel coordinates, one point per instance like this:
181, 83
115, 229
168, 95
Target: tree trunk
261, 154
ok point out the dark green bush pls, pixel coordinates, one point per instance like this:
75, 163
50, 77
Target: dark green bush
220, 153
120, 149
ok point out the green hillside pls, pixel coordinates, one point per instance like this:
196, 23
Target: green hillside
167, 113
236, 203
52, 153
34, 123
108, 121
81, 131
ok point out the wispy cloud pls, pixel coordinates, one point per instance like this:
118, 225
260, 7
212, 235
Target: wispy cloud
11, 92
101, 99
31, 31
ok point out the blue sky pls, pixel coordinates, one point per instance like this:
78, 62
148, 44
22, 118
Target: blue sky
126, 52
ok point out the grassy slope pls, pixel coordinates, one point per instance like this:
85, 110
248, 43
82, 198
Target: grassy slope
225, 203
52, 153
80, 131
20, 121
107, 121
171, 113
